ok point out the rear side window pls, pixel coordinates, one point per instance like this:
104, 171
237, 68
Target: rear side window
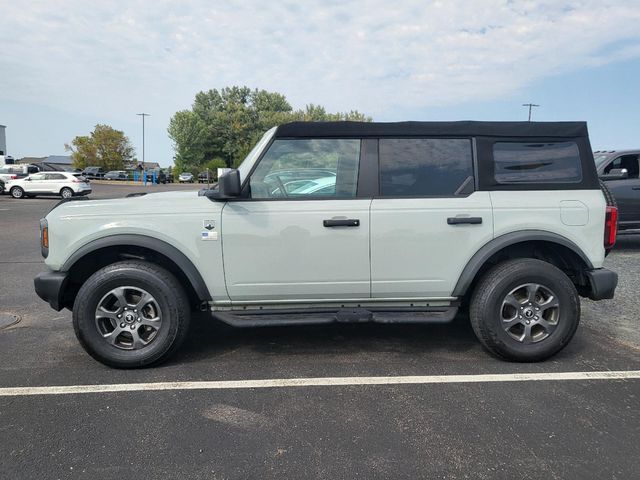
422, 167
55, 176
537, 162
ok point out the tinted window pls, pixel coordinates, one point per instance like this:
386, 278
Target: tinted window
537, 162
628, 162
55, 176
415, 167
297, 168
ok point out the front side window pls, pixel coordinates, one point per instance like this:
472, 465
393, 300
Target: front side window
628, 162
303, 168
419, 167
537, 162
37, 176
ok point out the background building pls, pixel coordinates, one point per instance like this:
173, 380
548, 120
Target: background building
50, 163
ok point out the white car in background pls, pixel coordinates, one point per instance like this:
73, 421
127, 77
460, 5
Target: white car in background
64, 184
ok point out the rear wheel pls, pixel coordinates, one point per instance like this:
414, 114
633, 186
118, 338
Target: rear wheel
131, 314
17, 192
525, 310
66, 192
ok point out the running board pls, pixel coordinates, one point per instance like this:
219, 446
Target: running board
311, 316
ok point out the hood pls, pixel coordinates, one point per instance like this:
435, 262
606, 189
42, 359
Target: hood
144, 204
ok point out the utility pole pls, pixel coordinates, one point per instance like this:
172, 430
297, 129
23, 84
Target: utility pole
143, 115
530, 105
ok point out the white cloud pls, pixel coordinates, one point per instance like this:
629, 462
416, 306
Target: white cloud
122, 56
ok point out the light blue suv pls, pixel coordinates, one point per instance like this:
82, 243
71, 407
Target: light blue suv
348, 222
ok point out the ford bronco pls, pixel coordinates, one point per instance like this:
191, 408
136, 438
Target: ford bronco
348, 222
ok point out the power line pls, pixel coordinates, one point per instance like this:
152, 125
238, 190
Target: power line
143, 115
530, 105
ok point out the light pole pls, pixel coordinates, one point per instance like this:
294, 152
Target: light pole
530, 105
143, 115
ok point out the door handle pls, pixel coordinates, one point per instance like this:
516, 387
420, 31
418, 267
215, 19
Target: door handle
341, 222
461, 220
635, 188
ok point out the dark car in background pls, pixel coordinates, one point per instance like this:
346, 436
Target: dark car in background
93, 173
206, 177
620, 170
116, 175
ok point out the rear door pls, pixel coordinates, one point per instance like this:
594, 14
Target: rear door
304, 231
428, 219
54, 182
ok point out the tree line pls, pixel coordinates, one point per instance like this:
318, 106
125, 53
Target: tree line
219, 130
222, 126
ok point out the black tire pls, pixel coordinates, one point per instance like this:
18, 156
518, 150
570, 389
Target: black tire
17, 192
167, 293
487, 310
66, 192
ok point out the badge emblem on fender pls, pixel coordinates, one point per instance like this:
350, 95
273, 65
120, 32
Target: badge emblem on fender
209, 224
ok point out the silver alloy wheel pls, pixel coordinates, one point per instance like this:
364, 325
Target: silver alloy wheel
16, 192
128, 318
530, 313
66, 193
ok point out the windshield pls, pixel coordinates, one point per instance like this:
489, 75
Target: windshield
600, 159
249, 160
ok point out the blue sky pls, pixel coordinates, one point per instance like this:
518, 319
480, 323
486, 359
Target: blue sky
65, 67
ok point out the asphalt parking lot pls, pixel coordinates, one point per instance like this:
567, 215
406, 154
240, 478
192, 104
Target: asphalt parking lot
556, 428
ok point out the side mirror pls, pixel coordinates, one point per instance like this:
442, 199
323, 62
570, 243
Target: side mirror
229, 184
616, 174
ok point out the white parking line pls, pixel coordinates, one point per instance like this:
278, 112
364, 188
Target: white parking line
317, 382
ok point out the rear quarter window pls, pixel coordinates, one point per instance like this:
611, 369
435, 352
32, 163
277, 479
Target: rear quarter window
537, 162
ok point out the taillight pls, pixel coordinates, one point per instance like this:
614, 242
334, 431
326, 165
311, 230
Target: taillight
75, 180
14, 177
610, 227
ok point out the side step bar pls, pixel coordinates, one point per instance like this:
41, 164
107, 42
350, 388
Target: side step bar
268, 318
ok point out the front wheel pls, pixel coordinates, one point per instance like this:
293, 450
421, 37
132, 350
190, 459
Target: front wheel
66, 192
17, 192
525, 310
131, 314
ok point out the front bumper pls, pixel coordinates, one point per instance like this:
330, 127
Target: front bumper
603, 283
50, 287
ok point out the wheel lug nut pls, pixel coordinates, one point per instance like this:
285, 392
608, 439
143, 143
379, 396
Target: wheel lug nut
536, 317
135, 310
133, 327
528, 322
537, 308
119, 315
139, 319
122, 325
519, 316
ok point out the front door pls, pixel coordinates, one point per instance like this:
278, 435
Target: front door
626, 192
36, 183
428, 221
303, 233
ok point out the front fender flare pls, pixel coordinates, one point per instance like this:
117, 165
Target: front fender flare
144, 241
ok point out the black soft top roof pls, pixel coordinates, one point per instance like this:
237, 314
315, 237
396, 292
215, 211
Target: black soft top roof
448, 129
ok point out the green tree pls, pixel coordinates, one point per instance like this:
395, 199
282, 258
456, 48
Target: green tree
226, 123
105, 147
